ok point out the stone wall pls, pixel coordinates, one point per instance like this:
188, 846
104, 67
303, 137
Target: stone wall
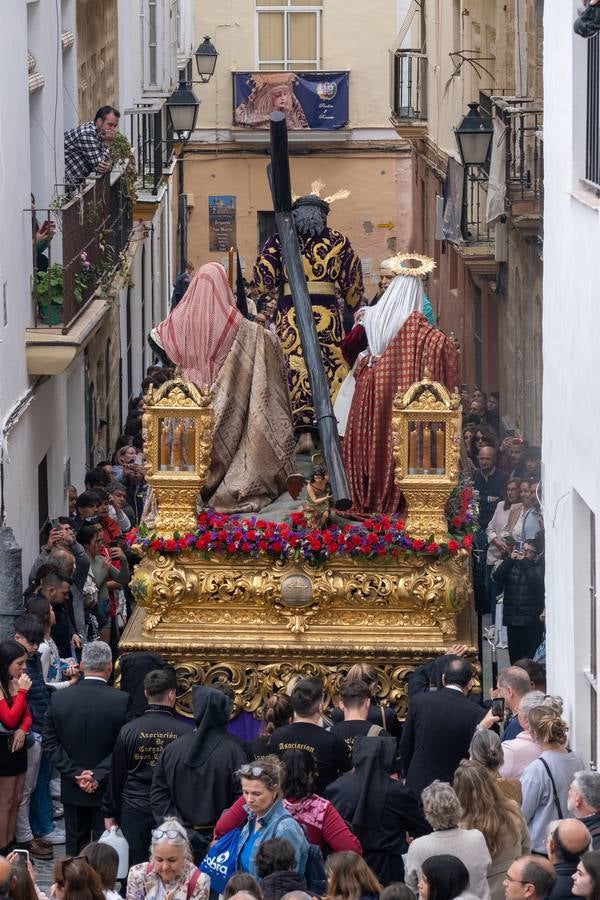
97, 60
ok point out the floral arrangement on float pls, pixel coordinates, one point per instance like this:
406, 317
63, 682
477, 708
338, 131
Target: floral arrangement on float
378, 536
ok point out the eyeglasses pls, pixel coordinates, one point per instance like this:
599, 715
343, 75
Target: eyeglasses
515, 880
170, 833
255, 771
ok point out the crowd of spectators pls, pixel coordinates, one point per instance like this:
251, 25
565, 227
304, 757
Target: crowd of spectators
339, 801
509, 541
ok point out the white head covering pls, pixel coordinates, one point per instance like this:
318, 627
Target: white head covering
383, 321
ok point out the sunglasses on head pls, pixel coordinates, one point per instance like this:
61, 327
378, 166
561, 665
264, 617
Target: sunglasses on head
254, 771
170, 833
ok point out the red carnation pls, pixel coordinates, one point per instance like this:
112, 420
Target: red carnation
453, 546
400, 525
156, 544
371, 538
230, 548
468, 540
263, 546
245, 547
170, 545
432, 547
277, 546
418, 544
456, 522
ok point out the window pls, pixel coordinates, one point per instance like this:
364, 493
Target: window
43, 522
593, 646
456, 25
266, 227
289, 35
152, 40
592, 137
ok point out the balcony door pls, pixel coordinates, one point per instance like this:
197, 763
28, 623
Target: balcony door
289, 35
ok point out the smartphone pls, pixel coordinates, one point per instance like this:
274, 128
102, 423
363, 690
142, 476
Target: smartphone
55, 523
24, 853
498, 707
519, 546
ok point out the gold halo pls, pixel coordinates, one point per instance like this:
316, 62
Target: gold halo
424, 264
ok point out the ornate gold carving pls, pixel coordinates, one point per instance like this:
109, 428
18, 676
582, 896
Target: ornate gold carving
186, 589
176, 487
426, 477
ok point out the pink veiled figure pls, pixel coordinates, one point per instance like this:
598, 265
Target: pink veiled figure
215, 346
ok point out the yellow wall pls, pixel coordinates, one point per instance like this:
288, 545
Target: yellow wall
357, 36
381, 196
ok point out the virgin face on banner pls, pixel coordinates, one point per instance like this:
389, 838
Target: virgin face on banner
309, 100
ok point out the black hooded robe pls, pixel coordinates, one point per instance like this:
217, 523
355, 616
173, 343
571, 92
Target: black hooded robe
193, 778
379, 809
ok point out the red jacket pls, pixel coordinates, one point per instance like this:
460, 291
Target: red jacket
326, 829
17, 715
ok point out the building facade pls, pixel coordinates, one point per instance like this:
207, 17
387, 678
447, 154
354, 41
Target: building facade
339, 48
74, 353
571, 483
487, 284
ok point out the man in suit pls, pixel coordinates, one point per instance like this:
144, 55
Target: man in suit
82, 727
439, 728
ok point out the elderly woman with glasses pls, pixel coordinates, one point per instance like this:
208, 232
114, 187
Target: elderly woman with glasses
170, 873
267, 815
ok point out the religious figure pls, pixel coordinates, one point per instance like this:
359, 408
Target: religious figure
329, 260
214, 345
317, 508
271, 92
401, 345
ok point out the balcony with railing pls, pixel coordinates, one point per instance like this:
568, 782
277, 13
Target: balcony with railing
410, 92
475, 229
150, 134
524, 145
94, 229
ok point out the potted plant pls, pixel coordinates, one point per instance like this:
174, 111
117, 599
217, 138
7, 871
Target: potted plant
49, 294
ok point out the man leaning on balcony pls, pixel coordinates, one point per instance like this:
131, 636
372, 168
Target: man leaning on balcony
87, 147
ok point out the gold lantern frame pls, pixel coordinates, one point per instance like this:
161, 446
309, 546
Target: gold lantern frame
426, 493
176, 492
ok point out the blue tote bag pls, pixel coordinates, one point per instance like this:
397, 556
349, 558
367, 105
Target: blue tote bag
220, 863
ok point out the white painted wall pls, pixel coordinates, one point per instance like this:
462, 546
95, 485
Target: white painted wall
31, 159
571, 352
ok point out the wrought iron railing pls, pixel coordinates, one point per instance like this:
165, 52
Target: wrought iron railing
151, 136
95, 227
410, 85
592, 130
524, 120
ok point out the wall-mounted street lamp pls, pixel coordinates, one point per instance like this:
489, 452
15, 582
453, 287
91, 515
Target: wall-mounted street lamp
182, 109
206, 60
474, 137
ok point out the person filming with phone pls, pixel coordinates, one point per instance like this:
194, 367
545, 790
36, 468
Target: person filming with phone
520, 576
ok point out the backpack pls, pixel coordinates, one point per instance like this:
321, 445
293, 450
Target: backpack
314, 873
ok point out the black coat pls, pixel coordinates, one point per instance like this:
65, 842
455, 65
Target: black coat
279, 883
436, 736
81, 729
562, 889
194, 777
523, 584
134, 758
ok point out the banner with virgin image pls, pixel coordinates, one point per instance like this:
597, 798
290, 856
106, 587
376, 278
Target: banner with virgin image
310, 100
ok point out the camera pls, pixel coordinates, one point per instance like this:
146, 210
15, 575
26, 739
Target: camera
587, 23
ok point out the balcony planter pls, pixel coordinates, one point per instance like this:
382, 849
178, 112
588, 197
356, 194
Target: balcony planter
49, 294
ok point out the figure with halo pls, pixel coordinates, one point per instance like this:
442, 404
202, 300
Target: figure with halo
329, 261
401, 347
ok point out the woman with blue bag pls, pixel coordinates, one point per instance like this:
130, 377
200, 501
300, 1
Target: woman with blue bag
267, 818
